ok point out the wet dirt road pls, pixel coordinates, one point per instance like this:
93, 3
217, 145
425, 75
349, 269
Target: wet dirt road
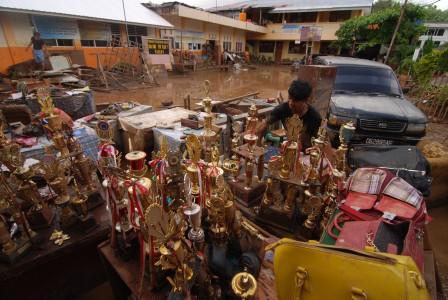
268, 80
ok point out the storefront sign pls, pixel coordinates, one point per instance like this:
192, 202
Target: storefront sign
158, 46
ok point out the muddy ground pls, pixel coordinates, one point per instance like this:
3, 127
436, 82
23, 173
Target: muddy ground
269, 81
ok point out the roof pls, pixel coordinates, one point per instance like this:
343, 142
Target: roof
341, 60
436, 24
98, 10
296, 6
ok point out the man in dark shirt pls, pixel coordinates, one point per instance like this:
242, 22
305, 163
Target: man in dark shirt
38, 49
298, 94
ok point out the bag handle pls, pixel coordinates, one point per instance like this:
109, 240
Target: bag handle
358, 294
299, 281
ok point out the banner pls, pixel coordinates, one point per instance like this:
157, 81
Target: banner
56, 28
158, 46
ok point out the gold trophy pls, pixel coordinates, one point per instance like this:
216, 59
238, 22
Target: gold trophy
290, 198
346, 133
249, 172
332, 192
54, 121
244, 285
9, 247
83, 164
193, 209
208, 135
194, 152
54, 173
293, 127
314, 201
39, 215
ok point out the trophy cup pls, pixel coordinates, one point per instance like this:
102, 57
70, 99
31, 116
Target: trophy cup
83, 164
244, 285
290, 198
54, 174
196, 233
208, 135
194, 152
249, 172
86, 223
39, 215
293, 127
54, 121
331, 193
346, 133
312, 206
136, 160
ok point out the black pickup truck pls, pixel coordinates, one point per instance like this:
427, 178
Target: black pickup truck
368, 94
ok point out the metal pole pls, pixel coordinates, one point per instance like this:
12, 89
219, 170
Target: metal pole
125, 23
392, 41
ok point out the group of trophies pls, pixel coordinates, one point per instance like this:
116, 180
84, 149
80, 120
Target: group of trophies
67, 174
180, 212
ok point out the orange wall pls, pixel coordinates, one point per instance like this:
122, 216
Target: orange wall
13, 55
20, 54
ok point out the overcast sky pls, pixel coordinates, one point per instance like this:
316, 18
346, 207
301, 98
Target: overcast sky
442, 4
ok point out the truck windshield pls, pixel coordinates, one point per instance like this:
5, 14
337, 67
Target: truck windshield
366, 80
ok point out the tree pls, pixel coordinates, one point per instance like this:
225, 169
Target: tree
383, 4
432, 13
377, 28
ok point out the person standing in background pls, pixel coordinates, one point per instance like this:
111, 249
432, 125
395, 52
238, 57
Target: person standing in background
38, 50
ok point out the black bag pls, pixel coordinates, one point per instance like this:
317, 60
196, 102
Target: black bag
406, 162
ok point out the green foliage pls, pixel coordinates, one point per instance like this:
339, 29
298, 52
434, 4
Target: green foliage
358, 30
383, 4
432, 13
433, 62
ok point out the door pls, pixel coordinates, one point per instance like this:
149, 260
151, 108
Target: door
278, 52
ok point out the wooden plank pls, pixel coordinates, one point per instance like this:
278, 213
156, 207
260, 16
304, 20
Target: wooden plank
430, 274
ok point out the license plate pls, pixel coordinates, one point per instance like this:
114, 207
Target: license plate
372, 141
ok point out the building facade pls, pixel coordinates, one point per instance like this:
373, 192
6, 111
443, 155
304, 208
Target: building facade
195, 28
435, 32
295, 28
83, 27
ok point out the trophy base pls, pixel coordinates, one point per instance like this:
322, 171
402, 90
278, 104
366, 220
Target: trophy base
39, 219
86, 225
126, 245
94, 200
276, 216
248, 196
23, 246
68, 222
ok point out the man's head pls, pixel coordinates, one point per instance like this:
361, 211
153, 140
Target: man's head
298, 93
36, 35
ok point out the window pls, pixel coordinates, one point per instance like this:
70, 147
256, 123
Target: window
59, 42
227, 46
308, 17
340, 16
435, 32
239, 47
267, 47
274, 18
177, 45
297, 48
366, 80
116, 35
135, 35
194, 46
94, 43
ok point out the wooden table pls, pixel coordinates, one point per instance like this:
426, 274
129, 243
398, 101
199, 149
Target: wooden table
123, 276
58, 272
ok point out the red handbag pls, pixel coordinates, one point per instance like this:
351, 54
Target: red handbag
401, 238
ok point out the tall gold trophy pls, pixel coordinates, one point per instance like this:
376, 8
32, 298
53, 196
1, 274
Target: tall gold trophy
293, 127
193, 209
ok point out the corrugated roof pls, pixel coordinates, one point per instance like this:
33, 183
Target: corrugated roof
296, 5
100, 10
